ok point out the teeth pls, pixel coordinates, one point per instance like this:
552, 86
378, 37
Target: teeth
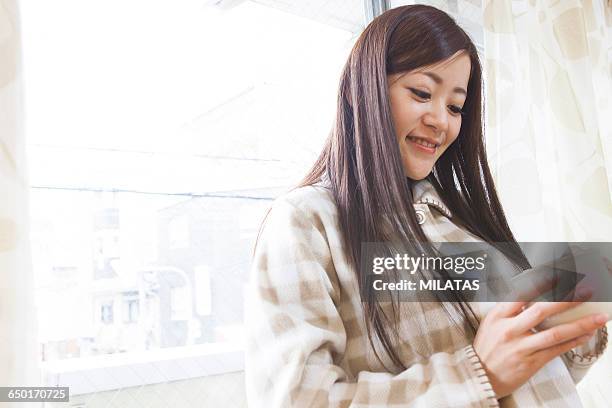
421, 142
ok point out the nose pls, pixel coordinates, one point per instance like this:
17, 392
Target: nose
437, 118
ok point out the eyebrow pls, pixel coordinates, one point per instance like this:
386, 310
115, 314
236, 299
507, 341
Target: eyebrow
438, 80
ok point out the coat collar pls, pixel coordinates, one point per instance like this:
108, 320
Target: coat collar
423, 192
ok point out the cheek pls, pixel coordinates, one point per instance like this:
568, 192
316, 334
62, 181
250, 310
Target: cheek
404, 117
453, 131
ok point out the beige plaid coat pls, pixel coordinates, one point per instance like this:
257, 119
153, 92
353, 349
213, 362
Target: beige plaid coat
307, 344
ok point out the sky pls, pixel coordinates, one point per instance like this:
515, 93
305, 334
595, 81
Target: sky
124, 79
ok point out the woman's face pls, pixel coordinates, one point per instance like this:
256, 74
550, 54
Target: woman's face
426, 105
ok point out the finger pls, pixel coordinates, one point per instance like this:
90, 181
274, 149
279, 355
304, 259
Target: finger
508, 309
548, 354
537, 313
562, 333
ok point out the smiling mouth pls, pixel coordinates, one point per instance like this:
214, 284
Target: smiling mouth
422, 144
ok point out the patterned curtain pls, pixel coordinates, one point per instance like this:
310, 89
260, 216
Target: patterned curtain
549, 110
18, 342
549, 126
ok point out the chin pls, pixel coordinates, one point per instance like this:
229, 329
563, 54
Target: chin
417, 175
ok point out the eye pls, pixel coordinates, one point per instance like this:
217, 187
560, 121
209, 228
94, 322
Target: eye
420, 94
456, 110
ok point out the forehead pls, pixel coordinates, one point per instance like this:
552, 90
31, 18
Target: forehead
455, 70
458, 63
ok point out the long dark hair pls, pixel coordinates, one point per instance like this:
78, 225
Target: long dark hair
362, 161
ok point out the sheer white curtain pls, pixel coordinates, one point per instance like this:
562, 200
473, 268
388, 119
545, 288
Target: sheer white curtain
18, 342
549, 126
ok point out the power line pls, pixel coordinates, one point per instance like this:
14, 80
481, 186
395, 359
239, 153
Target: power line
157, 193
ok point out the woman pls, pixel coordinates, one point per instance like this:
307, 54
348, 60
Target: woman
406, 151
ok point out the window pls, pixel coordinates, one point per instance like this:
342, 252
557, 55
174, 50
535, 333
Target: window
106, 313
155, 149
130, 307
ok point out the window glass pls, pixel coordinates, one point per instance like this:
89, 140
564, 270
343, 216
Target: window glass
158, 134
